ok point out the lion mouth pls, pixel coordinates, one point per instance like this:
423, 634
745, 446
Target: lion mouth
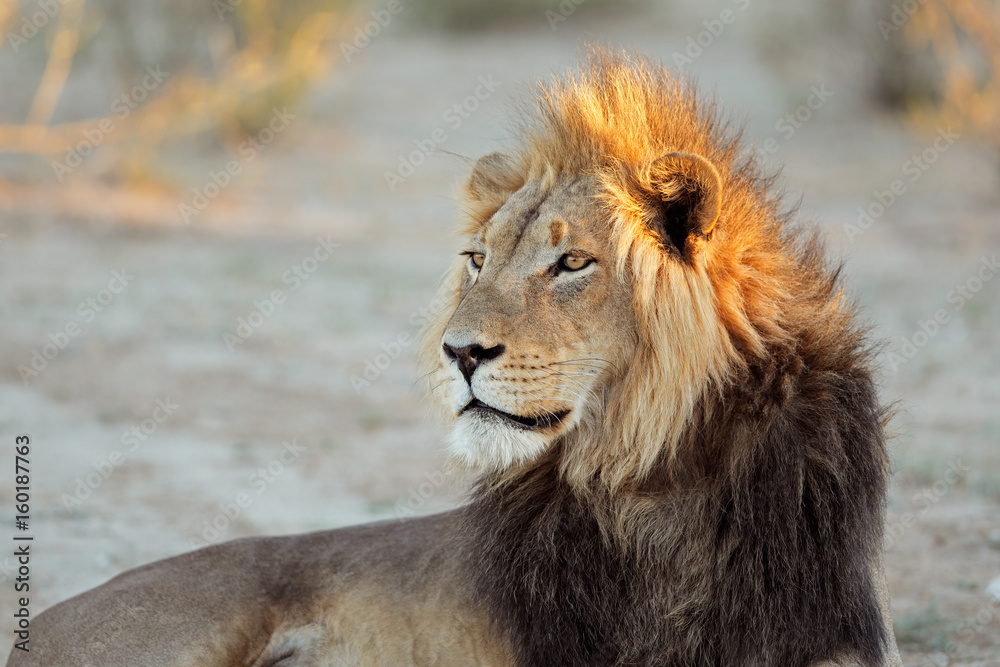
542, 421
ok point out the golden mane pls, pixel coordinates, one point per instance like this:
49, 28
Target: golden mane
751, 287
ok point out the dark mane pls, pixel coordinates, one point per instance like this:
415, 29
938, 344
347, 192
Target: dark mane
754, 549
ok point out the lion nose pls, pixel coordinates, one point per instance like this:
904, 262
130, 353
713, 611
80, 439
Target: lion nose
470, 356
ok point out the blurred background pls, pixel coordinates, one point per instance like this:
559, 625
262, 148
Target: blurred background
222, 223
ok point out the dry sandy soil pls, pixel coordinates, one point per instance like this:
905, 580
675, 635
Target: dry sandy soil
366, 454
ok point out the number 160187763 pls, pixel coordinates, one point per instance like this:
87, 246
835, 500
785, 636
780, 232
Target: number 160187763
22, 479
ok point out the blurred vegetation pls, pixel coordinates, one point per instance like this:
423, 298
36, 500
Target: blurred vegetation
941, 63
230, 63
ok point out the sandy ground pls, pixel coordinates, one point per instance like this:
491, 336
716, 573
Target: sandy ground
276, 417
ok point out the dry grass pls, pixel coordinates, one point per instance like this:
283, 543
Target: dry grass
264, 54
964, 37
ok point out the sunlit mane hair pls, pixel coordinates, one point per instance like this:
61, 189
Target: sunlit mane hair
700, 320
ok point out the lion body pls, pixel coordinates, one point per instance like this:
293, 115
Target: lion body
382, 594
672, 408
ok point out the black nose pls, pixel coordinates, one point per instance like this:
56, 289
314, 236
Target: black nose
470, 356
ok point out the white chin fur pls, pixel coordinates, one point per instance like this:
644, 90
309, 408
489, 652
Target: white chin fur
488, 443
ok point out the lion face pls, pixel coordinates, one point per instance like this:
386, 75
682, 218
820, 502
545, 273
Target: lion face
541, 326
576, 304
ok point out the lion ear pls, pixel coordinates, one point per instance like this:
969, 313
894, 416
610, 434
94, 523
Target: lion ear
495, 176
688, 190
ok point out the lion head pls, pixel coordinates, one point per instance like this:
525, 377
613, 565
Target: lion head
620, 261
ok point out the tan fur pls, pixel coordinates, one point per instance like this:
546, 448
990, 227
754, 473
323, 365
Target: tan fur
632, 353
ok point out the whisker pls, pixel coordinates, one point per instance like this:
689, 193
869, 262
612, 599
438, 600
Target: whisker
570, 376
439, 385
562, 394
592, 362
422, 377
556, 378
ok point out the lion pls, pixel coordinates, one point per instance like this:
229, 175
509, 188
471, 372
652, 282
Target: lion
669, 405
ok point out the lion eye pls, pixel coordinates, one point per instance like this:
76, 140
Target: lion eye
574, 262
477, 259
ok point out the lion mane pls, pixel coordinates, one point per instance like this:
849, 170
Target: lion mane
728, 509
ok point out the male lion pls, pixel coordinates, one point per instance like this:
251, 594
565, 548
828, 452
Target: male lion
670, 403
